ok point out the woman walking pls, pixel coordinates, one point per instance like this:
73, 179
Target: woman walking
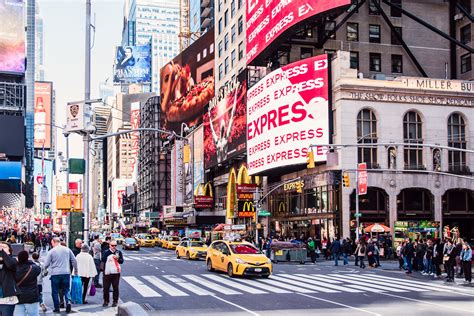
26, 277
85, 269
8, 289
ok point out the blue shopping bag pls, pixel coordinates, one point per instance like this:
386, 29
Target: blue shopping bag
76, 290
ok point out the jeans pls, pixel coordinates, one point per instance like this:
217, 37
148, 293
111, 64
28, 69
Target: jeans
346, 258
409, 265
97, 266
111, 279
428, 266
361, 259
40, 292
63, 282
27, 309
7, 309
336, 258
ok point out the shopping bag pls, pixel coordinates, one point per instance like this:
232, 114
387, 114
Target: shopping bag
76, 290
93, 290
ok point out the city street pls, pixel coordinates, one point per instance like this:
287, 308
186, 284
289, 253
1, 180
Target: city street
164, 285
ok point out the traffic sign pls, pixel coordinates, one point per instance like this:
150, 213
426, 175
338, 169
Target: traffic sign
357, 214
264, 213
362, 178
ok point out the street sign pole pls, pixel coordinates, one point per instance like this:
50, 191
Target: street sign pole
357, 203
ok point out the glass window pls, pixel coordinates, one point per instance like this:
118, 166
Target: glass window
329, 26
241, 24
226, 17
374, 33
466, 63
221, 72
244, 249
219, 48
306, 52
466, 34
219, 31
457, 139
397, 64
373, 10
232, 8
375, 62
367, 134
394, 11
226, 42
239, 4
352, 32
232, 58
232, 34
394, 38
226, 65
354, 60
412, 133
219, 7
241, 50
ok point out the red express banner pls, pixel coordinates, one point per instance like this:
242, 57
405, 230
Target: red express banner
288, 111
268, 19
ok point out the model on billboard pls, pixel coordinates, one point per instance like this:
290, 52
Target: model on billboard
128, 60
181, 99
132, 64
221, 141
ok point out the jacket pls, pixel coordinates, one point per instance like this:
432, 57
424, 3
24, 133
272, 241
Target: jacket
85, 265
466, 255
7, 275
29, 287
335, 246
408, 250
59, 260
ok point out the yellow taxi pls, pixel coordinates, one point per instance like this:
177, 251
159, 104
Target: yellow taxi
145, 240
191, 249
171, 242
238, 258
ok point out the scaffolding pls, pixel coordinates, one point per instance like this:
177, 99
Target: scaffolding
12, 98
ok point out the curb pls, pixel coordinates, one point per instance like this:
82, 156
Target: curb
131, 308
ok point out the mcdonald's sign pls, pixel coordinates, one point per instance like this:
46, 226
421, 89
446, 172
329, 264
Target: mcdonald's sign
246, 209
203, 196
282, 207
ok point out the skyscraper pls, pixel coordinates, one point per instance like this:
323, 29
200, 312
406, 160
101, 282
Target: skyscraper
39, 45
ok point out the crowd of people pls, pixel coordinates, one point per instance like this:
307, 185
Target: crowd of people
21, 278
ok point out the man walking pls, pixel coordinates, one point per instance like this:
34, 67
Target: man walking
96, 254
312, 250
59, 261
77, 247
111, 261
336, 250
409, 252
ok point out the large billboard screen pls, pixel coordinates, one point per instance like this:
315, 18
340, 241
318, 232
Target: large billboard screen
187, 85
268, 19
132, 64
287, 111
10, 170
43, 101
12, 135
12, 37
225, 123
43, 181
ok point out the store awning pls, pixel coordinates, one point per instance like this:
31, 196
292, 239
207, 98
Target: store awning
377, 228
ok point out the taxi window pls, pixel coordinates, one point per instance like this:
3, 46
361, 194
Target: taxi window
216, 245
148, 237
197, 244
174, 238
183, 244
242, 249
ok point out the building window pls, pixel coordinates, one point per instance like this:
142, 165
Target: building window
353, 32
219, 49
329, 26
241, 25
226, 17
373, 10
221, 72
232, 58
394, 11
306, 52
232, 9
239, 4
219, 8
232, 34
466, 63
397, 64
241, 50
374, 33
466, 34
226, 65
457, 139
354, 60
375, 62
412, 133
394, 38
219, 30
226, 42
367, 134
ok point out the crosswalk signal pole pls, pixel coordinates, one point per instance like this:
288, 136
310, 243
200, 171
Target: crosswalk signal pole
357, 202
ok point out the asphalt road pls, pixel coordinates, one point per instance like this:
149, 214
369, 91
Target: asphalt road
164, 285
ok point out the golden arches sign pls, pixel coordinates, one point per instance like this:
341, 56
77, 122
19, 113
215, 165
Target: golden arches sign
231, 194
204, 189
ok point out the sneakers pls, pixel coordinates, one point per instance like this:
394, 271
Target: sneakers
99, 286
68, 308
114, 304
105, 304
43, 307
56, 310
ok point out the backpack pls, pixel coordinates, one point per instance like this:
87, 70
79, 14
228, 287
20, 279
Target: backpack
362, 250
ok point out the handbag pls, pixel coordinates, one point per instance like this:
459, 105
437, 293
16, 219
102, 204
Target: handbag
93, 290
445, 258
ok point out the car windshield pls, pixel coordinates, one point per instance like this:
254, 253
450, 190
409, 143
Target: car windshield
242, 249
115, 235
130, 241
174, 238
148, 237
197, 244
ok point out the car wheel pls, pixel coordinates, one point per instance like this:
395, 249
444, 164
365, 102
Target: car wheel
209, 265
177, 254
188, 256
230, 270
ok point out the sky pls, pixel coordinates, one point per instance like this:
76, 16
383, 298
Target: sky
64, 40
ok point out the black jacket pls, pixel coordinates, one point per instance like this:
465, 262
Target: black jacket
29, 287
7, 275
408, 251
107, 253
76, 251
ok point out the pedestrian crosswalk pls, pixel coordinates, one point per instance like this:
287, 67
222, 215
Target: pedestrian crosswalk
280, 283
148, 258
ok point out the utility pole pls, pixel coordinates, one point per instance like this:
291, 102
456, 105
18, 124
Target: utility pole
87, 105
357, 203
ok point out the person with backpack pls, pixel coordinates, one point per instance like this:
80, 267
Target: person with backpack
26, 276
360, 252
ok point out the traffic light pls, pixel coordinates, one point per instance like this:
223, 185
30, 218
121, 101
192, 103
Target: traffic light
310, 159
346, 181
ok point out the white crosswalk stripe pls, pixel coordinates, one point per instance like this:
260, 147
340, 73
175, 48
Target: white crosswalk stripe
281, 283
149, 258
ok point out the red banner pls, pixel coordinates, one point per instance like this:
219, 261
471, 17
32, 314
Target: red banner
202, 201
362, 178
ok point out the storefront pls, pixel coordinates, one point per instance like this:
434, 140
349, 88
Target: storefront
415, 230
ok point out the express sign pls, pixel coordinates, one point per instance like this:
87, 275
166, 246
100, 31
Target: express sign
287, 111
268, 19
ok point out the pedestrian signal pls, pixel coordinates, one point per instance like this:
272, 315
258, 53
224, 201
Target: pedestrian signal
310, 159
346, 181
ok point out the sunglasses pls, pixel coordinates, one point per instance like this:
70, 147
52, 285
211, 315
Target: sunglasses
113, 245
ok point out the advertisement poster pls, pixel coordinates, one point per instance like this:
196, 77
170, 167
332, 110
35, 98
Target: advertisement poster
43, 181
188, 173
187, 85
118, 189
132, 64
287, 111
10, 170
12, 37
198, 158
225, 123
177, 174
43, 101
268, 19
135, 122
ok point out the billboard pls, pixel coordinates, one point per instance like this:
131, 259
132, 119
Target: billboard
12, 135
267, 19
10, 170
194, 169
119, 187
225, 123
43, 103
187, 85
12, 37
135, 122
177, 174
132, 64
287, 111
43, 181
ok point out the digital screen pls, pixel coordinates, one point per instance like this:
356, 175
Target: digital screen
12, 37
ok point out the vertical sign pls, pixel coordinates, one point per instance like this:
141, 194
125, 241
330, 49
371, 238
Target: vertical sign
177, 174
135, 121
43, 101
362, 179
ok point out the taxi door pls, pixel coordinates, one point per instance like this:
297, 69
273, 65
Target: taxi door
225, 257
215, 255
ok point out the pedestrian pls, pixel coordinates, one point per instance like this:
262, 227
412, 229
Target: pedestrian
408, 253
26, 276
420, 250
399, 252
312, 250
370, 254
376, 254
360, 253
466, 259
8, 286
111, 261
97, 254
346, 250
59, 259
438, 256
335, 249
428, 258
450, 260
105, 244
43, 273
86, 269
77, 247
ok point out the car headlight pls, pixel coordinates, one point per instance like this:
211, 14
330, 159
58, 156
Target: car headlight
269, 261
238, 260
